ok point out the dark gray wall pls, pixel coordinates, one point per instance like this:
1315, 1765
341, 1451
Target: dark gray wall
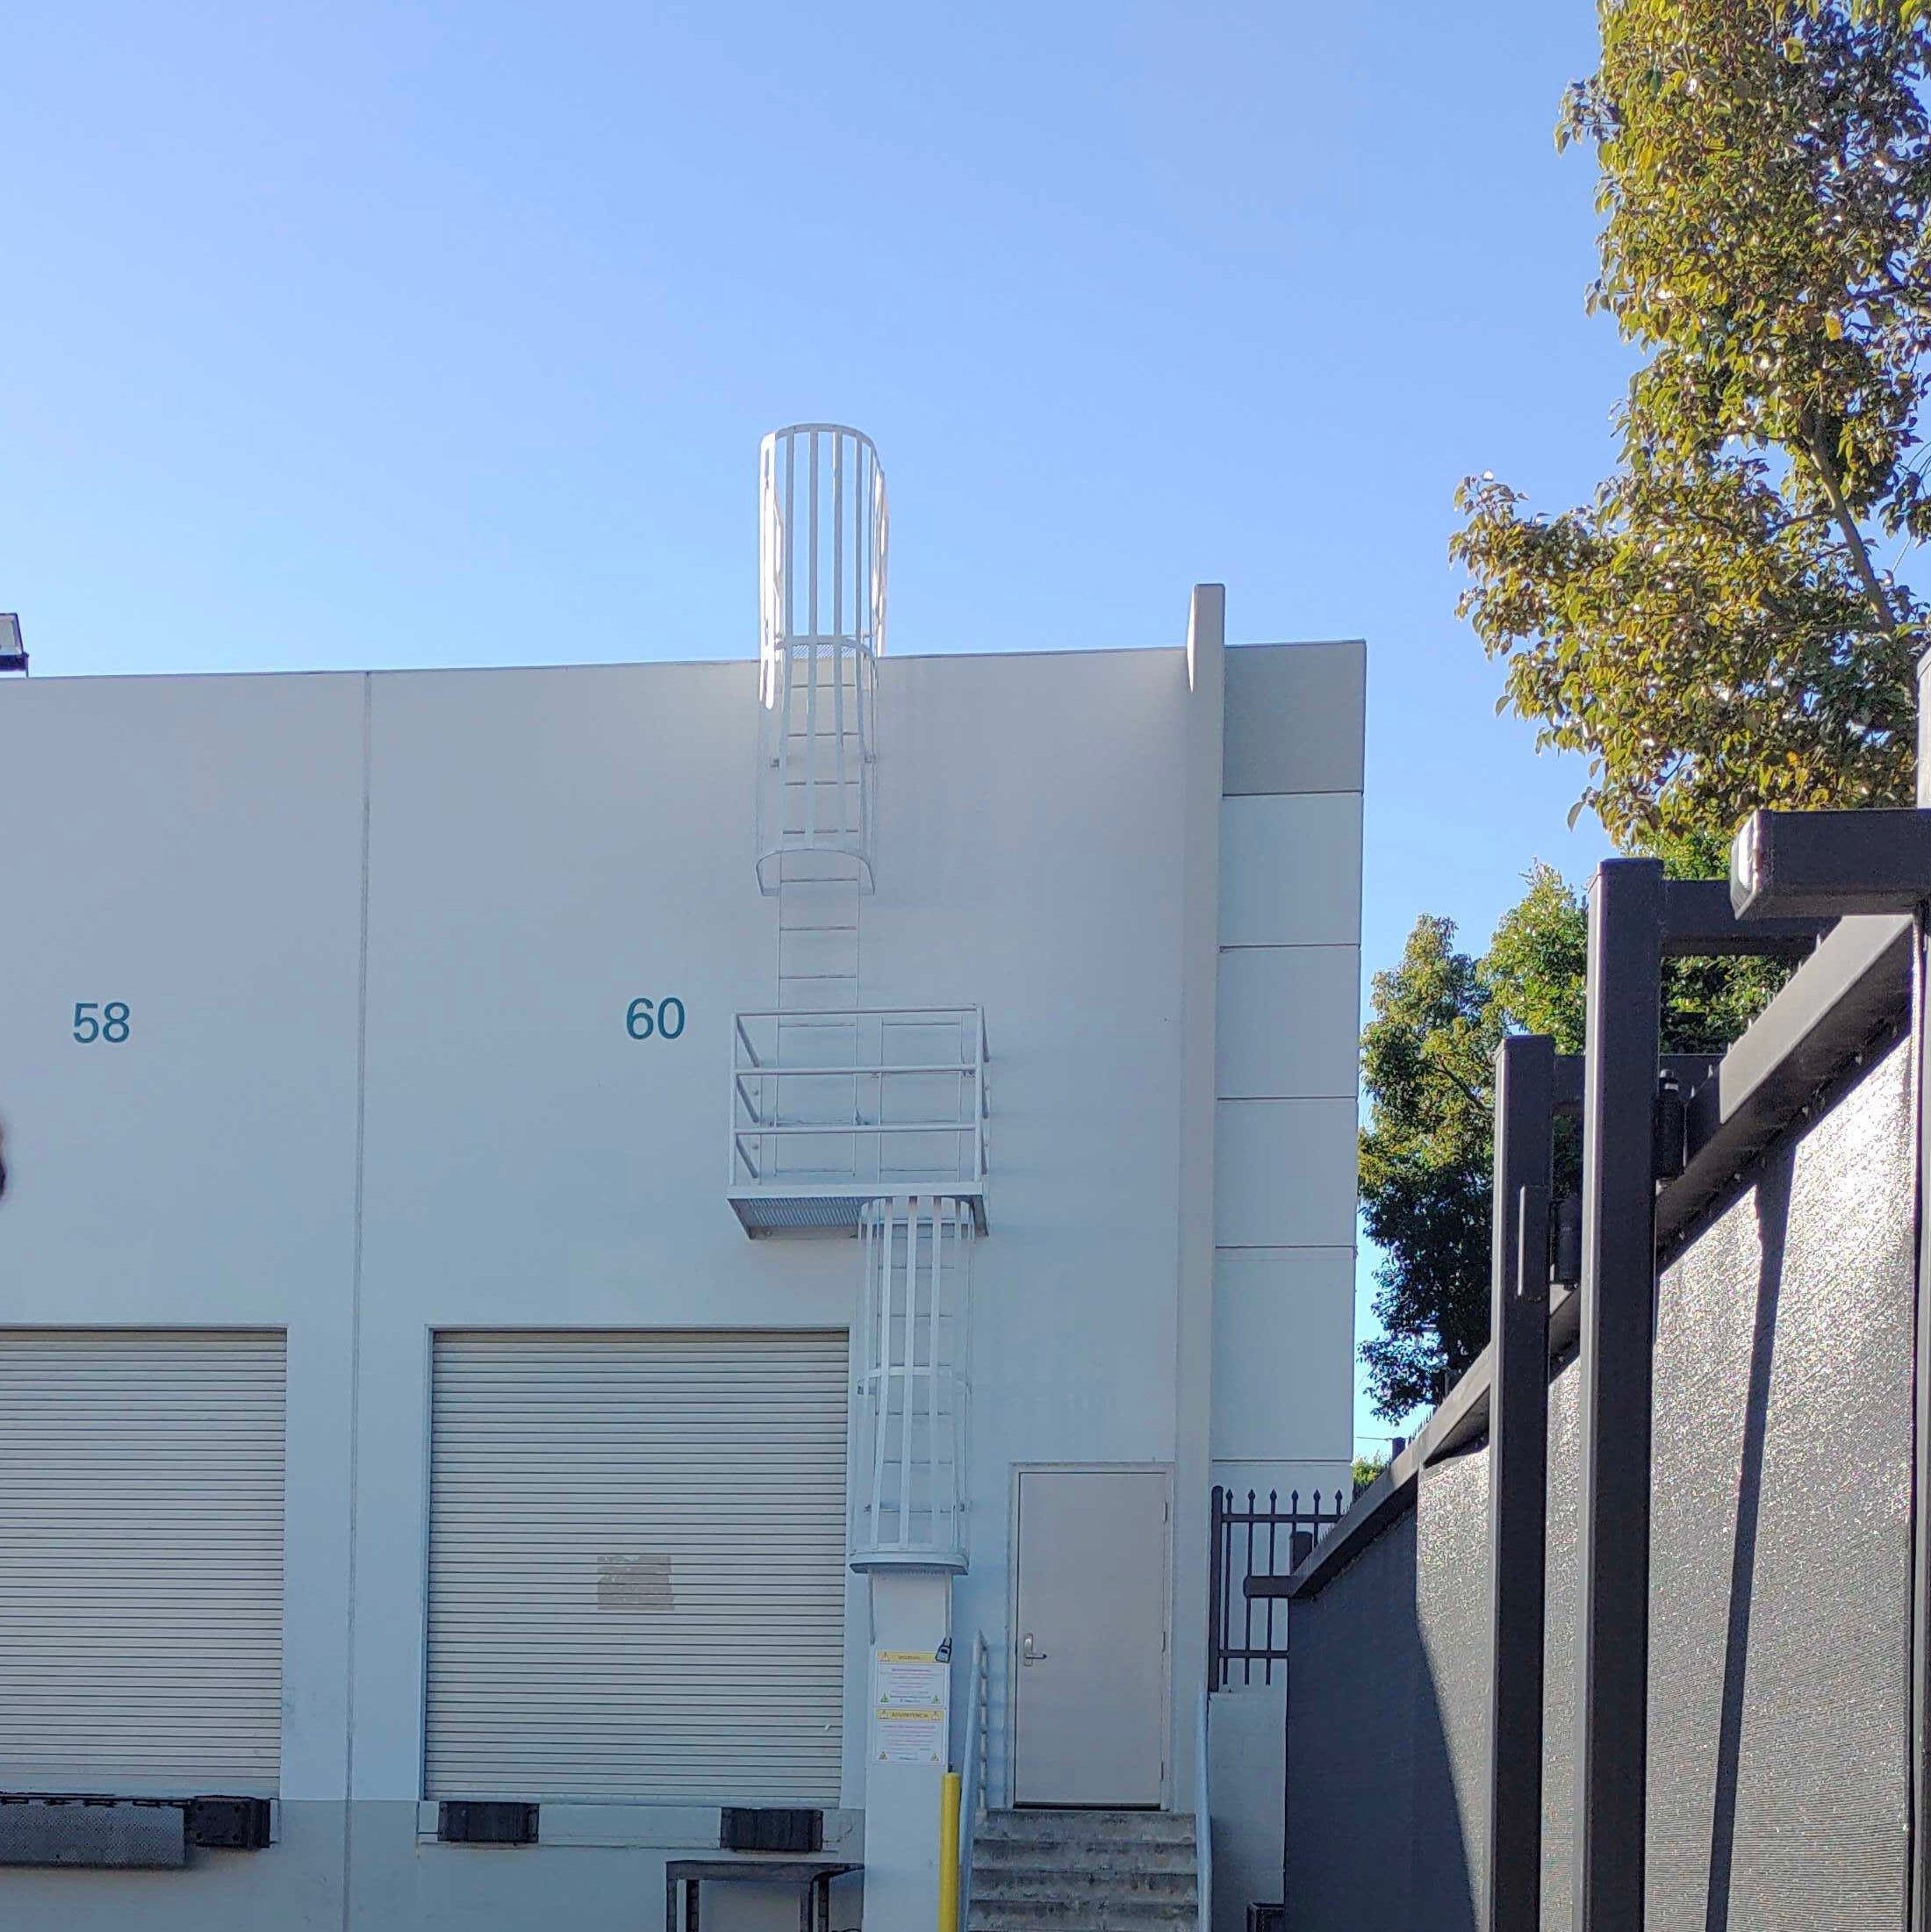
1780, 1566
1562, 1591
1389, 1727
1351, 1739
1781, 1539
1452, 1774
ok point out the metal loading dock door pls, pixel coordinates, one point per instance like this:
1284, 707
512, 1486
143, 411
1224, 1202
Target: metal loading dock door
140, 1561
637, 1566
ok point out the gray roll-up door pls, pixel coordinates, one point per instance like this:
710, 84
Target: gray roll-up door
140, 1562
636, 1567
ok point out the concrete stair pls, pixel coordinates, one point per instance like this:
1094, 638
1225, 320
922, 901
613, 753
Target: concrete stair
1084, 1872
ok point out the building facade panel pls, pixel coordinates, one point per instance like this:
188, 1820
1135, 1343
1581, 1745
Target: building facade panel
1285, 1173
1284, 1025
201, 1170
1296, 719
1283, 1343
1291, 870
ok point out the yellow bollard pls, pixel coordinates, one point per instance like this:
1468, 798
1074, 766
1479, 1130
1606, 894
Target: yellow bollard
948, 1853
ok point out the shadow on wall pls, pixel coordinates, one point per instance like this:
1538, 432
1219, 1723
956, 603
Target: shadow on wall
1374, 1827
1773, 1213
1779, 1620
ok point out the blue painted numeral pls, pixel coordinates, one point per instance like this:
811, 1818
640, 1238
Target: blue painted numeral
660, 1019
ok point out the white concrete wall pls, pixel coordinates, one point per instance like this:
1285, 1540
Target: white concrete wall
1286, 1073
193, 848
378, 937
1284, 1145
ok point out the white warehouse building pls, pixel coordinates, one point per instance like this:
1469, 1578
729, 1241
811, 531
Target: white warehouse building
604, 1266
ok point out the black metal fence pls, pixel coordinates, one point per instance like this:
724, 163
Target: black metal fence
1252, 1552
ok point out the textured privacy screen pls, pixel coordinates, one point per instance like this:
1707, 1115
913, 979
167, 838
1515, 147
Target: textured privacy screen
1386, 1758
1780, 1571
1352, 1742
1564, 1592
1452, 1700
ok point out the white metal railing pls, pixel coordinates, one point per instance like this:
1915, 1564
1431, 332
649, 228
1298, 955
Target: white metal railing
913, 1392
859, 1103
822, 534
1203, 1819
971, 1807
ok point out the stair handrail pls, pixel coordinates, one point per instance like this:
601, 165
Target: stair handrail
972, 1799
1204, 1823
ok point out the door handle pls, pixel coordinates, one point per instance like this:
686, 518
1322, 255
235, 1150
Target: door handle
1029, 1652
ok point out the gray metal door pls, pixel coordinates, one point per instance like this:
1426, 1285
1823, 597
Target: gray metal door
1090, 1646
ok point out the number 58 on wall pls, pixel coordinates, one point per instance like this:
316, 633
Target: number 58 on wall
93, 1021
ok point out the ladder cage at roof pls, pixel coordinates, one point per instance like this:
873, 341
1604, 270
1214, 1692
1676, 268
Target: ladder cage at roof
822, 529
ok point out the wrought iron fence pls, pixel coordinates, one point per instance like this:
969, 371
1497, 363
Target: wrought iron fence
1252, 1552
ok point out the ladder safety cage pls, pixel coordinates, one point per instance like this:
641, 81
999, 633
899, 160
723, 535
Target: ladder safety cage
908, 1487
823, 535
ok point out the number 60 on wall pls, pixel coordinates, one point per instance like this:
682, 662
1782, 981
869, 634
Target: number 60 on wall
655, 1019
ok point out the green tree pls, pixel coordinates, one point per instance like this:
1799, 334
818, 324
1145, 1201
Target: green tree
1717, 629
1428, 1063
1721, 625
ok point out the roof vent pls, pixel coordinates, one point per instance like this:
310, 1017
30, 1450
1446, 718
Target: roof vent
13, 652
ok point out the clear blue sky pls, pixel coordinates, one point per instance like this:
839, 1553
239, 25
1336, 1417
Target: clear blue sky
428, 334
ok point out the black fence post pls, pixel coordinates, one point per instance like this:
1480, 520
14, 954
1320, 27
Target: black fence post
1216, 1590
1525, 1128
1625, 934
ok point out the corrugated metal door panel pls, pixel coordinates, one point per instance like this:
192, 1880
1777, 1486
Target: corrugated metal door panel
637, 1566
140, 1561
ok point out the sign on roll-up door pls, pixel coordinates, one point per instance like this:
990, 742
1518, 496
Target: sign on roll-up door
1090, 1645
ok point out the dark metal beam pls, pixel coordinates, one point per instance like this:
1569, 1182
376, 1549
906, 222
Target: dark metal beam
1568, 1086
1829, 865
1699, 922
1518, 1350
1852, 995
1627, 915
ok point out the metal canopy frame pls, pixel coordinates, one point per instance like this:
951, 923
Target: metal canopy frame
1518, 1441
1637, 919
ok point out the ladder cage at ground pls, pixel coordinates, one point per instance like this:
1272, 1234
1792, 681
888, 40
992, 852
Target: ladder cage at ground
822, 534
908, 1486
831, 1111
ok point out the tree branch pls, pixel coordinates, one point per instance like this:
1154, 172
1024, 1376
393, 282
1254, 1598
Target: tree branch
1854, 538
1479, 1101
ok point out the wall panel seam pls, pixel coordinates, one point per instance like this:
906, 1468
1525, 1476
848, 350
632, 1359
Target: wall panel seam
354, 1308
